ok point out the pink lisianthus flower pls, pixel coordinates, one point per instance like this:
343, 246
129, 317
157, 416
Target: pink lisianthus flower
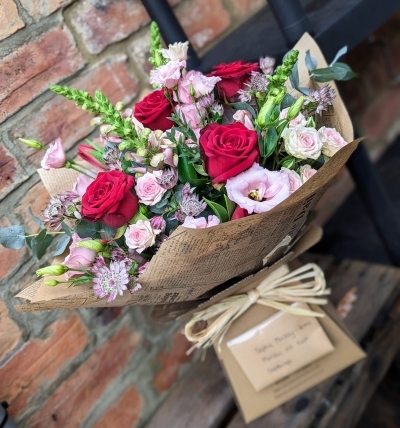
54, 157
192, 114
148, 189
167, 75
244, 116
78, 256
195, 83
332, 141
306, 172
257, 189
81, 184
294, 179
201, 222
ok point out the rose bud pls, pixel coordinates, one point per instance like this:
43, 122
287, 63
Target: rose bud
54, 270
94, 245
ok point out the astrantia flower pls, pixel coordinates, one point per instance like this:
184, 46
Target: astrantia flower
257, 189
111, 281
119, 255
53, 213
112, 158
191, 205
258, 82
168, 178
319, 100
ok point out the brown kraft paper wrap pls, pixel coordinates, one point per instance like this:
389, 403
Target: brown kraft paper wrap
193, 261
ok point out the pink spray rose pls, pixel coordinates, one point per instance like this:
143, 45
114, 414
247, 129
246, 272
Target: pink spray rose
167, 75
201, 222
191, 114
306, 172
81, 184
332, 141
257, 189
196, 82
294, 179
244, 116
300, 119
148, 189
77, 256
302, 142
54, 157
140, 236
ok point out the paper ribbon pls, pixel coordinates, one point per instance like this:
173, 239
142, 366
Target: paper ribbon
308, 282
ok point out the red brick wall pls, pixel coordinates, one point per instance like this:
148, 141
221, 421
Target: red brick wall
92, 368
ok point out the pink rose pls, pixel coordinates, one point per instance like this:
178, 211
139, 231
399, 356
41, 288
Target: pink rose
77, 256
294, 179
201, 222
81, 184
54, 157
302, 142
148, 189
140, 236
245, 117
257, 189
197, 83
267, 64
167, 75
191, 114
332, 141
300, 119
306, 172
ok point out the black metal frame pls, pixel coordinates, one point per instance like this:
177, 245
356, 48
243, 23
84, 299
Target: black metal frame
355, 21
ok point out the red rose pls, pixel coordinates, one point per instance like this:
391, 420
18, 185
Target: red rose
228, 150
153, 111
109, 199
233, 77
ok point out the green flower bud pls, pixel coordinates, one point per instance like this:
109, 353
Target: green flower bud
94, 245
144, 135
295, 108
192, 91
54, 270
288, 163
265, 109
52, 283
141, 152
125, 145
119, 106
32, 143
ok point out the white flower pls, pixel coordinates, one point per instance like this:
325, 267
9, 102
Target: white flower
332, 141
302, 142
306, 172
140, 236
176, 52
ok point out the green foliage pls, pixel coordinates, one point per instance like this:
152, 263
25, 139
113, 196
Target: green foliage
219, 210
39, 244
156, 59
12, 237
62, 244
186, 171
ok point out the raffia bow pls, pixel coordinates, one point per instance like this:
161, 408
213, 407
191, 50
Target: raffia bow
272, 291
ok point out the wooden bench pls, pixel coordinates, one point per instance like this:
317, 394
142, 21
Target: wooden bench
203, 399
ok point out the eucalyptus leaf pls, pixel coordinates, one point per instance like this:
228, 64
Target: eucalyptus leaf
339, 71
86, 229
66, 229
340, 53
40, 243
12, 237
303, 90
219, 210
36, 219
109, 231
287, 101
311, 62
62, 244
244, 106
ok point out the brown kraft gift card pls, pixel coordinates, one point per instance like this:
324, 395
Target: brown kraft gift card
279, 346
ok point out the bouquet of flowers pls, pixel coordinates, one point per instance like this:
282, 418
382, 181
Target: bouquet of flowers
191, 187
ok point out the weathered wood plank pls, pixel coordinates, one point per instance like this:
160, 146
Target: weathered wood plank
201, 399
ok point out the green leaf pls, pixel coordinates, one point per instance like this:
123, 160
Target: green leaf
40, 243
66, 229
36, 219
244, 106
339, 71
270, 142
186, 171
12, 237
86, 229
311, 62
138, 216
230, 206
200, 169
120, 231
198, 182
62, 244
294, 77
219, 210
109, 231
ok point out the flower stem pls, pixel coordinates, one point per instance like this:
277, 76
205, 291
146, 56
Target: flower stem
49, 233
73, 165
